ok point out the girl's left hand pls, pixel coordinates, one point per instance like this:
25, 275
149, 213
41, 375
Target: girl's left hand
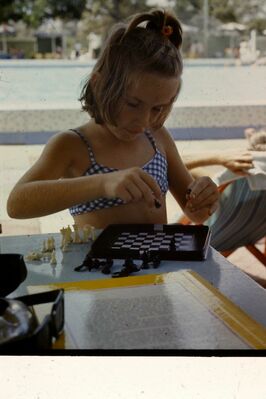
202, 199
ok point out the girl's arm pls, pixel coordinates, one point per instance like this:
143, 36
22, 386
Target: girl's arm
203, 197
44, 189
47, 188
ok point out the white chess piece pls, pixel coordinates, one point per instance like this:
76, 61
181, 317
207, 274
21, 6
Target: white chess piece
86, 232
52, 242
68, 235
63, 238
34, 256
53, 258
92, 233
49, 244
77, 239
44, 249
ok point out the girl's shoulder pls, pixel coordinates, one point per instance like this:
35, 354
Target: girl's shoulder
163, 139
63, 141
66, 147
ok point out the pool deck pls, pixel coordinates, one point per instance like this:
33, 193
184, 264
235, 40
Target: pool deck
16, 159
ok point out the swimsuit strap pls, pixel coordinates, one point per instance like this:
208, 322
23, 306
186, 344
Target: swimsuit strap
86, 141
151, 139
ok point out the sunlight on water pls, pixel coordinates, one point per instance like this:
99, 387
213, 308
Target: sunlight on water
59, 86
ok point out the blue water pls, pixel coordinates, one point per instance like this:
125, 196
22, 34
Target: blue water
57, 84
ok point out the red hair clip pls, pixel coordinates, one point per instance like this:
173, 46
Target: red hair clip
167, 30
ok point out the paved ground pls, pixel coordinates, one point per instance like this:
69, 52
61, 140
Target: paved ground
16, 159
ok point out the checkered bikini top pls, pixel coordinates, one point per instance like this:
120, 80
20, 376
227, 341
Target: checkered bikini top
156, 167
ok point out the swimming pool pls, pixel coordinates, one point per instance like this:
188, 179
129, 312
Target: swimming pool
218, 99
57, 84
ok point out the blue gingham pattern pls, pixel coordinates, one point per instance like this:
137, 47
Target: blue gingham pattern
156, 167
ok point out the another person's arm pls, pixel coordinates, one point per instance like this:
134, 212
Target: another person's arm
237, 161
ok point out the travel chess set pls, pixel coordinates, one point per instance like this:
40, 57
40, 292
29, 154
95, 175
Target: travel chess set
149, 243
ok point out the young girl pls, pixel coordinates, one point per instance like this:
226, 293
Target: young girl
118, 167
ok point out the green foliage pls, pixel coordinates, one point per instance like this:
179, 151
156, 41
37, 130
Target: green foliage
100, 15
11, 9
223, 10
258, 24
34, 11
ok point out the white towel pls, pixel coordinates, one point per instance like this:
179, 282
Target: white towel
256, 176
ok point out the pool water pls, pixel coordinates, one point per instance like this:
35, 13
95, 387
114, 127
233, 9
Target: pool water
30, 85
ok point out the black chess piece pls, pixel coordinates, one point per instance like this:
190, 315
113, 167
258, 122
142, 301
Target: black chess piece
107, 266
96, 264
87, 264
130, 265
156, 261
122, 273
145, 260
128, 268
172, 245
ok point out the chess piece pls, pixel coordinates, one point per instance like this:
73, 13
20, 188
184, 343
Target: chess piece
87, 264
34, 256
122, 273
49, 245
130, 265
44, 249
86, 232
68, 235
52, 242
156, 261
145, 260
53, 258
77, 239
128, 268
107, 266
63, 238
93, 233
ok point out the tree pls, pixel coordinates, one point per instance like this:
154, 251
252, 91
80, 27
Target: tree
100, 15
33, 12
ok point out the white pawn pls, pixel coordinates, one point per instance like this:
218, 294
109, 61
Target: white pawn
77, 239
44, 249
53, 258
68, 235
92, 233
63, 238
49, 245
86, 232
52, 242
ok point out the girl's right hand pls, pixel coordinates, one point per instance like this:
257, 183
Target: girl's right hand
131, 185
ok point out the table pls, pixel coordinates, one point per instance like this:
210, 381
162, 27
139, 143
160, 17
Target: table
131, 302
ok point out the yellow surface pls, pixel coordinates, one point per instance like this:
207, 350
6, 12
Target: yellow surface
250, 331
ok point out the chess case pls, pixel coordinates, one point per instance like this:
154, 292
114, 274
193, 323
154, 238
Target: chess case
169, 242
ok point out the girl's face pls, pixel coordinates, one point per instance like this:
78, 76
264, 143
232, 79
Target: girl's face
147, 98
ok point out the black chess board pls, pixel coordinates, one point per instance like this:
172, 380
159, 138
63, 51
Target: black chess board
168, 242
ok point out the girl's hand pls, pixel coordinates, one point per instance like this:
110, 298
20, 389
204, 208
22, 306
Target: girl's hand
131, 185
202, 199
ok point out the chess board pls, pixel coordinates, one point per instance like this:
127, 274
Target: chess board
168, 242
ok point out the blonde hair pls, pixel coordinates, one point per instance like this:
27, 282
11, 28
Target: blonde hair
141, 45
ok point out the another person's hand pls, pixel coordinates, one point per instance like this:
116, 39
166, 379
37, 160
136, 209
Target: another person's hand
131, 185
236, 161
202, 199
